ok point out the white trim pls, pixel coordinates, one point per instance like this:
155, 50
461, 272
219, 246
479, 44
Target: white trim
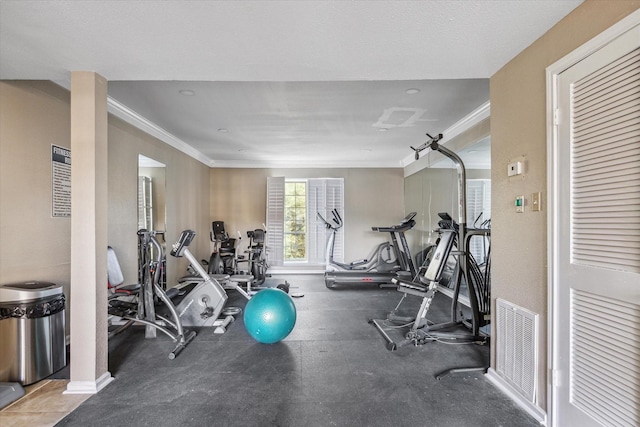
128, 115
533, 410
552, 73
89, 387
306, 164
552, 232
285, 270
595, 43
466, 123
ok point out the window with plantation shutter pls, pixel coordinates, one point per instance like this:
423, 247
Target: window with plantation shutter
323, 195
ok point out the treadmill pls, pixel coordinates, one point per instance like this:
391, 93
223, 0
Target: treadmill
343, 275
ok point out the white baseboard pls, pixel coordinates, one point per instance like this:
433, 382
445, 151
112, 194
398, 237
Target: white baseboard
89, 387
532, 409
282, 271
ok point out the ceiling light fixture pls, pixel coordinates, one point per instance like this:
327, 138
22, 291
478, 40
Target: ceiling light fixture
412, 91
223, 130
186, 92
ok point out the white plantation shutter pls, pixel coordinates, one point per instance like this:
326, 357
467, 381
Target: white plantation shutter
275, 220
478, 202
335, 200
323, 195
316, 194
145, 203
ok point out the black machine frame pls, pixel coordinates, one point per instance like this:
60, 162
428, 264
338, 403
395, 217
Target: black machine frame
466, 272
377, 269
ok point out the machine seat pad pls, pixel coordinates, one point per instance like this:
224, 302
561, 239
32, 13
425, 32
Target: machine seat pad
242, 278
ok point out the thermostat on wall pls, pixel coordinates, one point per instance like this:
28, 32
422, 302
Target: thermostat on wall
514, 168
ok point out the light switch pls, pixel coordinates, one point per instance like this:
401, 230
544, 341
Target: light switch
519, 204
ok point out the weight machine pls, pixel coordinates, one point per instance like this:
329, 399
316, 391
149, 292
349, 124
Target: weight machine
467, 272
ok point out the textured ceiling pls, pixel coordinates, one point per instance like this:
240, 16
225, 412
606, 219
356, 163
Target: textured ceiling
292, 82
328, 124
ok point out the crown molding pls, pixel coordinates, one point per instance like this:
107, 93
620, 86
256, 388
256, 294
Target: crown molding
305, 164
472, 119
128, 115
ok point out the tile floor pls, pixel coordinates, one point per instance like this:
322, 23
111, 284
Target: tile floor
43, 405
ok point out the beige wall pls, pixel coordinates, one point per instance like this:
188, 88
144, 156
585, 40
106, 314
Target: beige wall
186, 197
35, 246
373, 197
518, 129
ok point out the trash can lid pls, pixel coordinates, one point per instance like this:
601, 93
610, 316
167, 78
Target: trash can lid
28, 291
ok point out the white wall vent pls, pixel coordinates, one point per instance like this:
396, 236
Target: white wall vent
517, 348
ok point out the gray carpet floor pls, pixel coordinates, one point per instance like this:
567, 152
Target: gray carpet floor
332, 370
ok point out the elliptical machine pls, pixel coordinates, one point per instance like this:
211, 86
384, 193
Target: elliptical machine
142, 308
387, 261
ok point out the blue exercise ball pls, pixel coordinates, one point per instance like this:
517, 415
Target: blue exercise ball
270, 316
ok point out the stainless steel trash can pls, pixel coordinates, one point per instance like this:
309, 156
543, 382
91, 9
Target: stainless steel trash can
32, 337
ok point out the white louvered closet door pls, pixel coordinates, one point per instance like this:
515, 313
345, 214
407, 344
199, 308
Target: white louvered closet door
598, 344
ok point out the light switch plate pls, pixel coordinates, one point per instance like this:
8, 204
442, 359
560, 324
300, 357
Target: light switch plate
536, 201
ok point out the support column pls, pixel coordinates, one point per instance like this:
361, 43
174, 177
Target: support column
88, 298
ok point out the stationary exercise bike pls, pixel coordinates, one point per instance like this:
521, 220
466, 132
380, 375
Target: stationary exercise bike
223, 257
225, 262
385, 262
256, 258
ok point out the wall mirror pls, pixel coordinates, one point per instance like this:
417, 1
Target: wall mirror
152, 200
